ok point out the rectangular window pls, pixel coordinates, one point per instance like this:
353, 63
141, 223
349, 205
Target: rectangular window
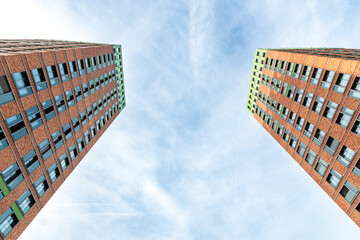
103, 60
282, 67
330, 110
22, 83
8, 221
299, 123
31, 161
319, 137
280, 130
349, 192
301, 149
83, 118
284, 88
331, 145
309, 128
278, 85
57, 139
70, 98
355, 89
356, 169
345, 156
12, 176
344, 117
315, 77
54, 172
96, 109
93, 131
89, 113
78, 94
73, 152
41, 185
285, 112
16, 126
81, 144
318, 104
297, 70
76, 124
308, 99
356, 128
289, 94
97, 84
289, 69
5, 91
39, 79
67, 131
99, 62
333, 178
45, 149
52, 74
321, 167
327, 79
106, 79
73, 69
48, 109
81, 66
64, 72
88, 65
102, 81
100, 104
85, 90
306, 73
25, 202
310, 157
60, 103
341, 83
272, 83
87, 137
64, 161
34, 117
105, 102
98, 126
292, 117
93, 63
293, 141
298, 95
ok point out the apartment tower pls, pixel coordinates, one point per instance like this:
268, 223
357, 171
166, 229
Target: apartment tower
308, 100
56, 99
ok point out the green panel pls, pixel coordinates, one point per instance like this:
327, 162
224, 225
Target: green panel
17, 211
5, 190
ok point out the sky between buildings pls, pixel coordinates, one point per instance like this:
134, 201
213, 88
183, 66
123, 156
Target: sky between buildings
184, 160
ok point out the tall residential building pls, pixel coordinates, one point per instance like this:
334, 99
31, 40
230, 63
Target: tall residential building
308, 100
56, 99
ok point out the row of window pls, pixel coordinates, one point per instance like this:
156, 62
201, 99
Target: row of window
346, 155
22, 81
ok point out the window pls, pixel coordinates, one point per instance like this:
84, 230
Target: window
85, 90
106, 78
12, 176
92, 86
64, 72
278, 84
102, 81
60, 103
299, 123
22, 83
53, 76
284, 88
293, 141
298, 95
290, 92
280, 130
289, 68
45, 149
39, 79
330, 110
78, 93
271, 64
310, 156
16, 126
331, 145
321, 167
103, 60
73, 152
297, 70
81, 66
5, 91
48, 109
333, 178
70, 98
89, 113
292, 117
98, 126
97, 84
309, 128
341, 83
355, 89
31, 161
34, 117
306, 73
87, 137
328, 78
93, 131
8, 221
282, 67
3, 142
67, 131
83, 118
301, 149
349, 192
88, 65
278, 109
356, 169
64, 161
96, 109
81, 144
53, 172
285, 112
356, 128
308, 99
25, 202
73, 69
76, 124
41, 185
93, 63
319, 137
99, 62
100, 104
57, 139
318, 104
344, 117
345, 156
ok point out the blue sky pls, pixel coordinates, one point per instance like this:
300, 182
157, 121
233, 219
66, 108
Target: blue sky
182, 161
